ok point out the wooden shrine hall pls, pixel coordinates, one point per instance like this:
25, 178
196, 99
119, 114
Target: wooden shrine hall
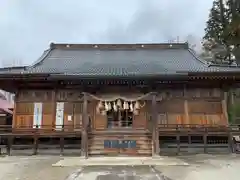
118, 97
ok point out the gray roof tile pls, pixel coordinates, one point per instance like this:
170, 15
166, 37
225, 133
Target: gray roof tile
121, 62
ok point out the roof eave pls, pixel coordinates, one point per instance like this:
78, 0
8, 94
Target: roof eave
23, 76
138, 76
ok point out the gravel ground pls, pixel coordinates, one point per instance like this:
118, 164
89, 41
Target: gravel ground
207, 167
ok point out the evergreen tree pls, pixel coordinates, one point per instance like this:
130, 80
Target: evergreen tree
216, 32
234, 27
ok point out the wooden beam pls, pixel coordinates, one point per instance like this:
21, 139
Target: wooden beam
155, 135
186, 110
187, 121
224, 107
54, 106
14, 118
84, 125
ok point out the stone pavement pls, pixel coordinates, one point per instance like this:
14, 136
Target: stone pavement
120, 161
143, 172
221, 167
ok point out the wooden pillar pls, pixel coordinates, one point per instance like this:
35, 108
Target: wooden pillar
9, 144
224, 107
84, 127
231, 106
14, 119
186, 112
187, 121
35, 143
155, 132
54, 108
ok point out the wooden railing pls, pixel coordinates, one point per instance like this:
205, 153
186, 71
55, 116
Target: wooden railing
43, 129
198, 128
162, 128
8, 133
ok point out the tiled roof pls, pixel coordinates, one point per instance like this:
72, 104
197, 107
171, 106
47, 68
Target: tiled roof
15, 69
121, 60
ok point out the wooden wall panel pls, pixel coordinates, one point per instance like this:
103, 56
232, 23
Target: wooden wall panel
203, 93
47, 118
77, 115
26, 95
24, 108
47, 121
3, 120
197, 118
23, 115
24, 121
209, 119
140, 120
69, 95
208, 107
175, 118
100, 121
171, 106
72, 115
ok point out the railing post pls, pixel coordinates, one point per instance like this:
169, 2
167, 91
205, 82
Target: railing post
205, 140
9, 145
62, 141
230, 141
178, 138
35, 146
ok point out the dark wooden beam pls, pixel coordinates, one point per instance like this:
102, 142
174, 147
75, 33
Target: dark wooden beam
54, 106
84, 125
155, 135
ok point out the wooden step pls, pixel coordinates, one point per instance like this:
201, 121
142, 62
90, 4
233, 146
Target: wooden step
143, 144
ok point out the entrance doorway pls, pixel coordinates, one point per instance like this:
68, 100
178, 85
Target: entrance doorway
118, 144
119, 119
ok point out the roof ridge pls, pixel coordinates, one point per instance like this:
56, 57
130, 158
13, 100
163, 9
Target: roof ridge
224, 65
44, 55
204, 62
121, 46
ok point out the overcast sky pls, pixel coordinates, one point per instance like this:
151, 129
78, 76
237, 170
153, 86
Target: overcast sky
28, 26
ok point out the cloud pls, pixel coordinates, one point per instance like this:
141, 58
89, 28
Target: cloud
28, 26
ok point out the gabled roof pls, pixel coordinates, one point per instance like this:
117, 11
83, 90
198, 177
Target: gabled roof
120, 60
